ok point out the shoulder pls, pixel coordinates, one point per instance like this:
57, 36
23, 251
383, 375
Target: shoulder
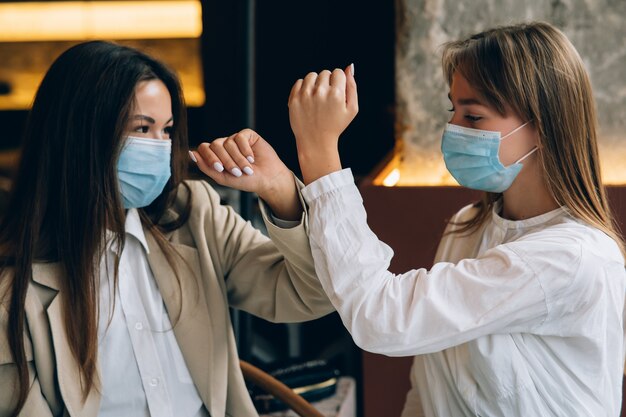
571, 256
200, 190
203, 197
455, 245
203, 208
465, 214
570, 235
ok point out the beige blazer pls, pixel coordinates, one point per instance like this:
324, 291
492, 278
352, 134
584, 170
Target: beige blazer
233, 264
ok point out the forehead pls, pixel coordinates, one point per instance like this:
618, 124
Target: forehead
463, 93
152, 96
460, 87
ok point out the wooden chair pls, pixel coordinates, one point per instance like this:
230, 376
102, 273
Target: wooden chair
279, 390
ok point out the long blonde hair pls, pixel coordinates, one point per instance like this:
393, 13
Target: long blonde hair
534, 69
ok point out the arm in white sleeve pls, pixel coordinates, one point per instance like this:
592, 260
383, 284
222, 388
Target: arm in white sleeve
420, 311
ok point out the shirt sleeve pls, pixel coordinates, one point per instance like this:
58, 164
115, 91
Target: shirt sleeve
283, 224
420, 311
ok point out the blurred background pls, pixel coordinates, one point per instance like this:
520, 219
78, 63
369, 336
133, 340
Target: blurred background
238, 59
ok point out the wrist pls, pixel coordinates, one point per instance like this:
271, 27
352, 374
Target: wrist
319, 142
281, 195
319, 164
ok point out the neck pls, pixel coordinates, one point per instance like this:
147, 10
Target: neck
528, 196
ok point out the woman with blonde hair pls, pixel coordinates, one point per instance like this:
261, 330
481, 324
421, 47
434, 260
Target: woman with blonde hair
522, 312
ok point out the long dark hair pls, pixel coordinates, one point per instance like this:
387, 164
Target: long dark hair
66, 192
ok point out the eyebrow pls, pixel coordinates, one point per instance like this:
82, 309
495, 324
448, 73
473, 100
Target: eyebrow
149, 119
468, 101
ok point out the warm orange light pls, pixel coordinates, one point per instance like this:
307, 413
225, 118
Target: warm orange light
408, 168
423, 168
84, 20
392, 178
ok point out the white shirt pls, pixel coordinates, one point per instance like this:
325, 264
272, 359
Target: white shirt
526, 319
141, 366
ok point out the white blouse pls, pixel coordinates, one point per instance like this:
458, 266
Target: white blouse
522, 318
142, 369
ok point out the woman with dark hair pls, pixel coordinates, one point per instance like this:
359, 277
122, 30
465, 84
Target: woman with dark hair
116, 273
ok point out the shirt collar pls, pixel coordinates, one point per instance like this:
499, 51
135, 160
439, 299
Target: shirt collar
521, 224
133, 227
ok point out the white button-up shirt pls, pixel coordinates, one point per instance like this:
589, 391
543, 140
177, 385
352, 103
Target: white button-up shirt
142, 369
525, 318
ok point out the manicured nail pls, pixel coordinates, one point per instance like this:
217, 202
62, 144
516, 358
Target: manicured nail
218, 167
352, 69
236, 172
248, 170
250, 159
193, 157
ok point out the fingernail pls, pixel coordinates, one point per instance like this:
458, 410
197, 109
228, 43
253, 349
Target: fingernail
352, 69
236, 172
248, 170
218, 167
250, 159
193, 157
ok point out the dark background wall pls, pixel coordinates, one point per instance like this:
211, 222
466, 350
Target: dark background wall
293, 38
290, 39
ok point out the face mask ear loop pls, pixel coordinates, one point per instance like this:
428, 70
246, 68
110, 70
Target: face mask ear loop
532, 151
514, 130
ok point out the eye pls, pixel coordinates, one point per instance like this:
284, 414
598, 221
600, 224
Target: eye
451, 109
472, 118
168, 130
142, 129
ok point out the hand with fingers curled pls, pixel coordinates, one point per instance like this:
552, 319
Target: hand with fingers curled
321, 106
245, 161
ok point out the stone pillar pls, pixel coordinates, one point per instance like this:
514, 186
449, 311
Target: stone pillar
597, 28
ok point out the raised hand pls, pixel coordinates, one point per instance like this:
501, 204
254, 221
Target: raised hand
321, 106
245, 161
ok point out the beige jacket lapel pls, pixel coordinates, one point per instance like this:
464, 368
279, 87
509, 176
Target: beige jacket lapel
68, 374
191, 319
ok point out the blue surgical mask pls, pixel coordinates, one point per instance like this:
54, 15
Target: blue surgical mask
143, 169
471, 156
